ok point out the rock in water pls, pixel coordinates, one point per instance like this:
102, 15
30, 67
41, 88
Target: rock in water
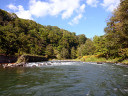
99, 62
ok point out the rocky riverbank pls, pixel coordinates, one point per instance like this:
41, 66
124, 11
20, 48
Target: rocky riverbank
15, 61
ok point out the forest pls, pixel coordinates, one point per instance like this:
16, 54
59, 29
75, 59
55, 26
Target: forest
20, 36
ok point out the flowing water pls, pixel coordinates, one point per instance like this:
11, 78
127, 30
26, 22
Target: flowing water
64, 79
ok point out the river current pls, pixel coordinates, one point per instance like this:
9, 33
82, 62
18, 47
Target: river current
64, 79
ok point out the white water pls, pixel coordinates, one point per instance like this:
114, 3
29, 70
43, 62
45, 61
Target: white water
50, 63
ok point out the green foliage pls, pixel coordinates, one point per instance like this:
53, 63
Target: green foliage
86, 49
81, 39
89, 47
80, 51
20, 36
102, 46
94, 59
64, 53
49, 50
114, 44
73, 53
117, 31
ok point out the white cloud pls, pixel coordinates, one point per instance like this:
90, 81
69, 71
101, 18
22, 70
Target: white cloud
54, 7
25, 14
81, 9
11, 6
38, 8
110, 5
67, 13
75, 20
70, 7
92, 3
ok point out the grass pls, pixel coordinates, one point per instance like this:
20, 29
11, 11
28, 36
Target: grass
95, 58
125, 61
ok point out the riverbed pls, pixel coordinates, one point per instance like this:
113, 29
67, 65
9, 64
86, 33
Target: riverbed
65, 79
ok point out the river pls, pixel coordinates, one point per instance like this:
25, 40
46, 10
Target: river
65, 79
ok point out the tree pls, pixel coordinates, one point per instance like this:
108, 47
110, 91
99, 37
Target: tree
8, 41
89, 47
49, 50
20, 36
64, 53
73, 53
117, 29
80, 51
101, 46
81, 39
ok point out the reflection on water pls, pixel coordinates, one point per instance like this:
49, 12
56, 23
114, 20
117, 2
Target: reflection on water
65, 79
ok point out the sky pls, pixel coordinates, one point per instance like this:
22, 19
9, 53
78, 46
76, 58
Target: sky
87, 17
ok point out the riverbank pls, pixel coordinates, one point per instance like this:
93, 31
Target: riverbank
93, 58
22, 60
14, 61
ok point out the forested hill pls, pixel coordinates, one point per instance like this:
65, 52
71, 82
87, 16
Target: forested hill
19, 36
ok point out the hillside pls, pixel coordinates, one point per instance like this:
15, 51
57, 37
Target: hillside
20, 36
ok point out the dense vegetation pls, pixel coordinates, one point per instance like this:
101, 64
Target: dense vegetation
19, 36
114, 44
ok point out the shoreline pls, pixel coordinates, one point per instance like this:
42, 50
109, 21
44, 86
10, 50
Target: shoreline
13, 65
23, 63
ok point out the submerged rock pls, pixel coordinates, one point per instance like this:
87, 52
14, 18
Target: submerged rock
99, 63
39, 64
45, 64
49, 64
